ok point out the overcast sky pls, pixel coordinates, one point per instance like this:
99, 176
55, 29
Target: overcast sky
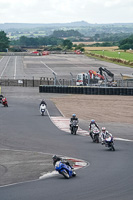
63, 11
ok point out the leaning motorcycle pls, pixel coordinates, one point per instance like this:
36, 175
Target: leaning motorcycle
64, 169
109, 142
42, 109
4, 103
95, 135
74, 127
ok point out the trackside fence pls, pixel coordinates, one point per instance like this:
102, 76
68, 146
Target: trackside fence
32, 82
36, 82
26, 82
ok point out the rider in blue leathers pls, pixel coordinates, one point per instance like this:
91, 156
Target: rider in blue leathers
56, 158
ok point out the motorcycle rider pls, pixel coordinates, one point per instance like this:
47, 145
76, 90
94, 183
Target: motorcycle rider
56, 158
92, 125
43, 102
4, 100
73, 118
104, 133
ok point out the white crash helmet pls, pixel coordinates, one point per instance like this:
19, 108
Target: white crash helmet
103, 129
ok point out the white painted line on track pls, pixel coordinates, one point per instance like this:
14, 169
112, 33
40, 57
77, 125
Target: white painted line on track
49, 68
5, 67
15, 70
122, 139
1, 59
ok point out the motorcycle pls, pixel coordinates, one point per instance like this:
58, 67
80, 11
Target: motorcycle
74, 127
64, 169
95, 135
4, 103
109, 142
42, 109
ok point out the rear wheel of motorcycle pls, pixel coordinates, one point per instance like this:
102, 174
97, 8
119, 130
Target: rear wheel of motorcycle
65, 174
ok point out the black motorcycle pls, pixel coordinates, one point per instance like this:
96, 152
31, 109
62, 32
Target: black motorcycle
74, 127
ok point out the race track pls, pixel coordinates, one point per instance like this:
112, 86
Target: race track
108, 175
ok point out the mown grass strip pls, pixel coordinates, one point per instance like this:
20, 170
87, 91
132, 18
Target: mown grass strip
115, 54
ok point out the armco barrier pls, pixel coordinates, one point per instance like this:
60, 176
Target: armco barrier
86, 90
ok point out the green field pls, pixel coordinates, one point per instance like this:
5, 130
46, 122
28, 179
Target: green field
115, 54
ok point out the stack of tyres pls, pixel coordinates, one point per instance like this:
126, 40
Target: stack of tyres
124, 91
96, 91
89, 90
69, 89
86, 90
116, 91
129, 91
40, 89
102, 91
110, 91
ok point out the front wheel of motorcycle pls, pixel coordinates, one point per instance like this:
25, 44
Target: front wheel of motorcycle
74, 174
97, 139
112, 147
71, 130
42, 113
74, 131
65, 174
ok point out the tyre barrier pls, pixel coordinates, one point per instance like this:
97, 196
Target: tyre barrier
86, 90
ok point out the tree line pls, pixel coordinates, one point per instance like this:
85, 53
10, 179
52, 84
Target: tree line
126, 43
51, 42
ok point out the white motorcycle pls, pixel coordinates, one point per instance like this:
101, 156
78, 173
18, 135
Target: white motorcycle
95, 135
43, 109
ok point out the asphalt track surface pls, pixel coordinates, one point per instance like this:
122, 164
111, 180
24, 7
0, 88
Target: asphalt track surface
109, 175
19, 67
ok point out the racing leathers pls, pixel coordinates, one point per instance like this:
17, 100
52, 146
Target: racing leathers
104, 134
43, 102
63, 161
72, 119
92, 126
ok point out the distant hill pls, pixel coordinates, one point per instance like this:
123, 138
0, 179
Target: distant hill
99, 32
6, 26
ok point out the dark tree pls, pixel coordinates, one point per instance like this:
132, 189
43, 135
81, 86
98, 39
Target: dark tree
67, 44
4, 41
126, 43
